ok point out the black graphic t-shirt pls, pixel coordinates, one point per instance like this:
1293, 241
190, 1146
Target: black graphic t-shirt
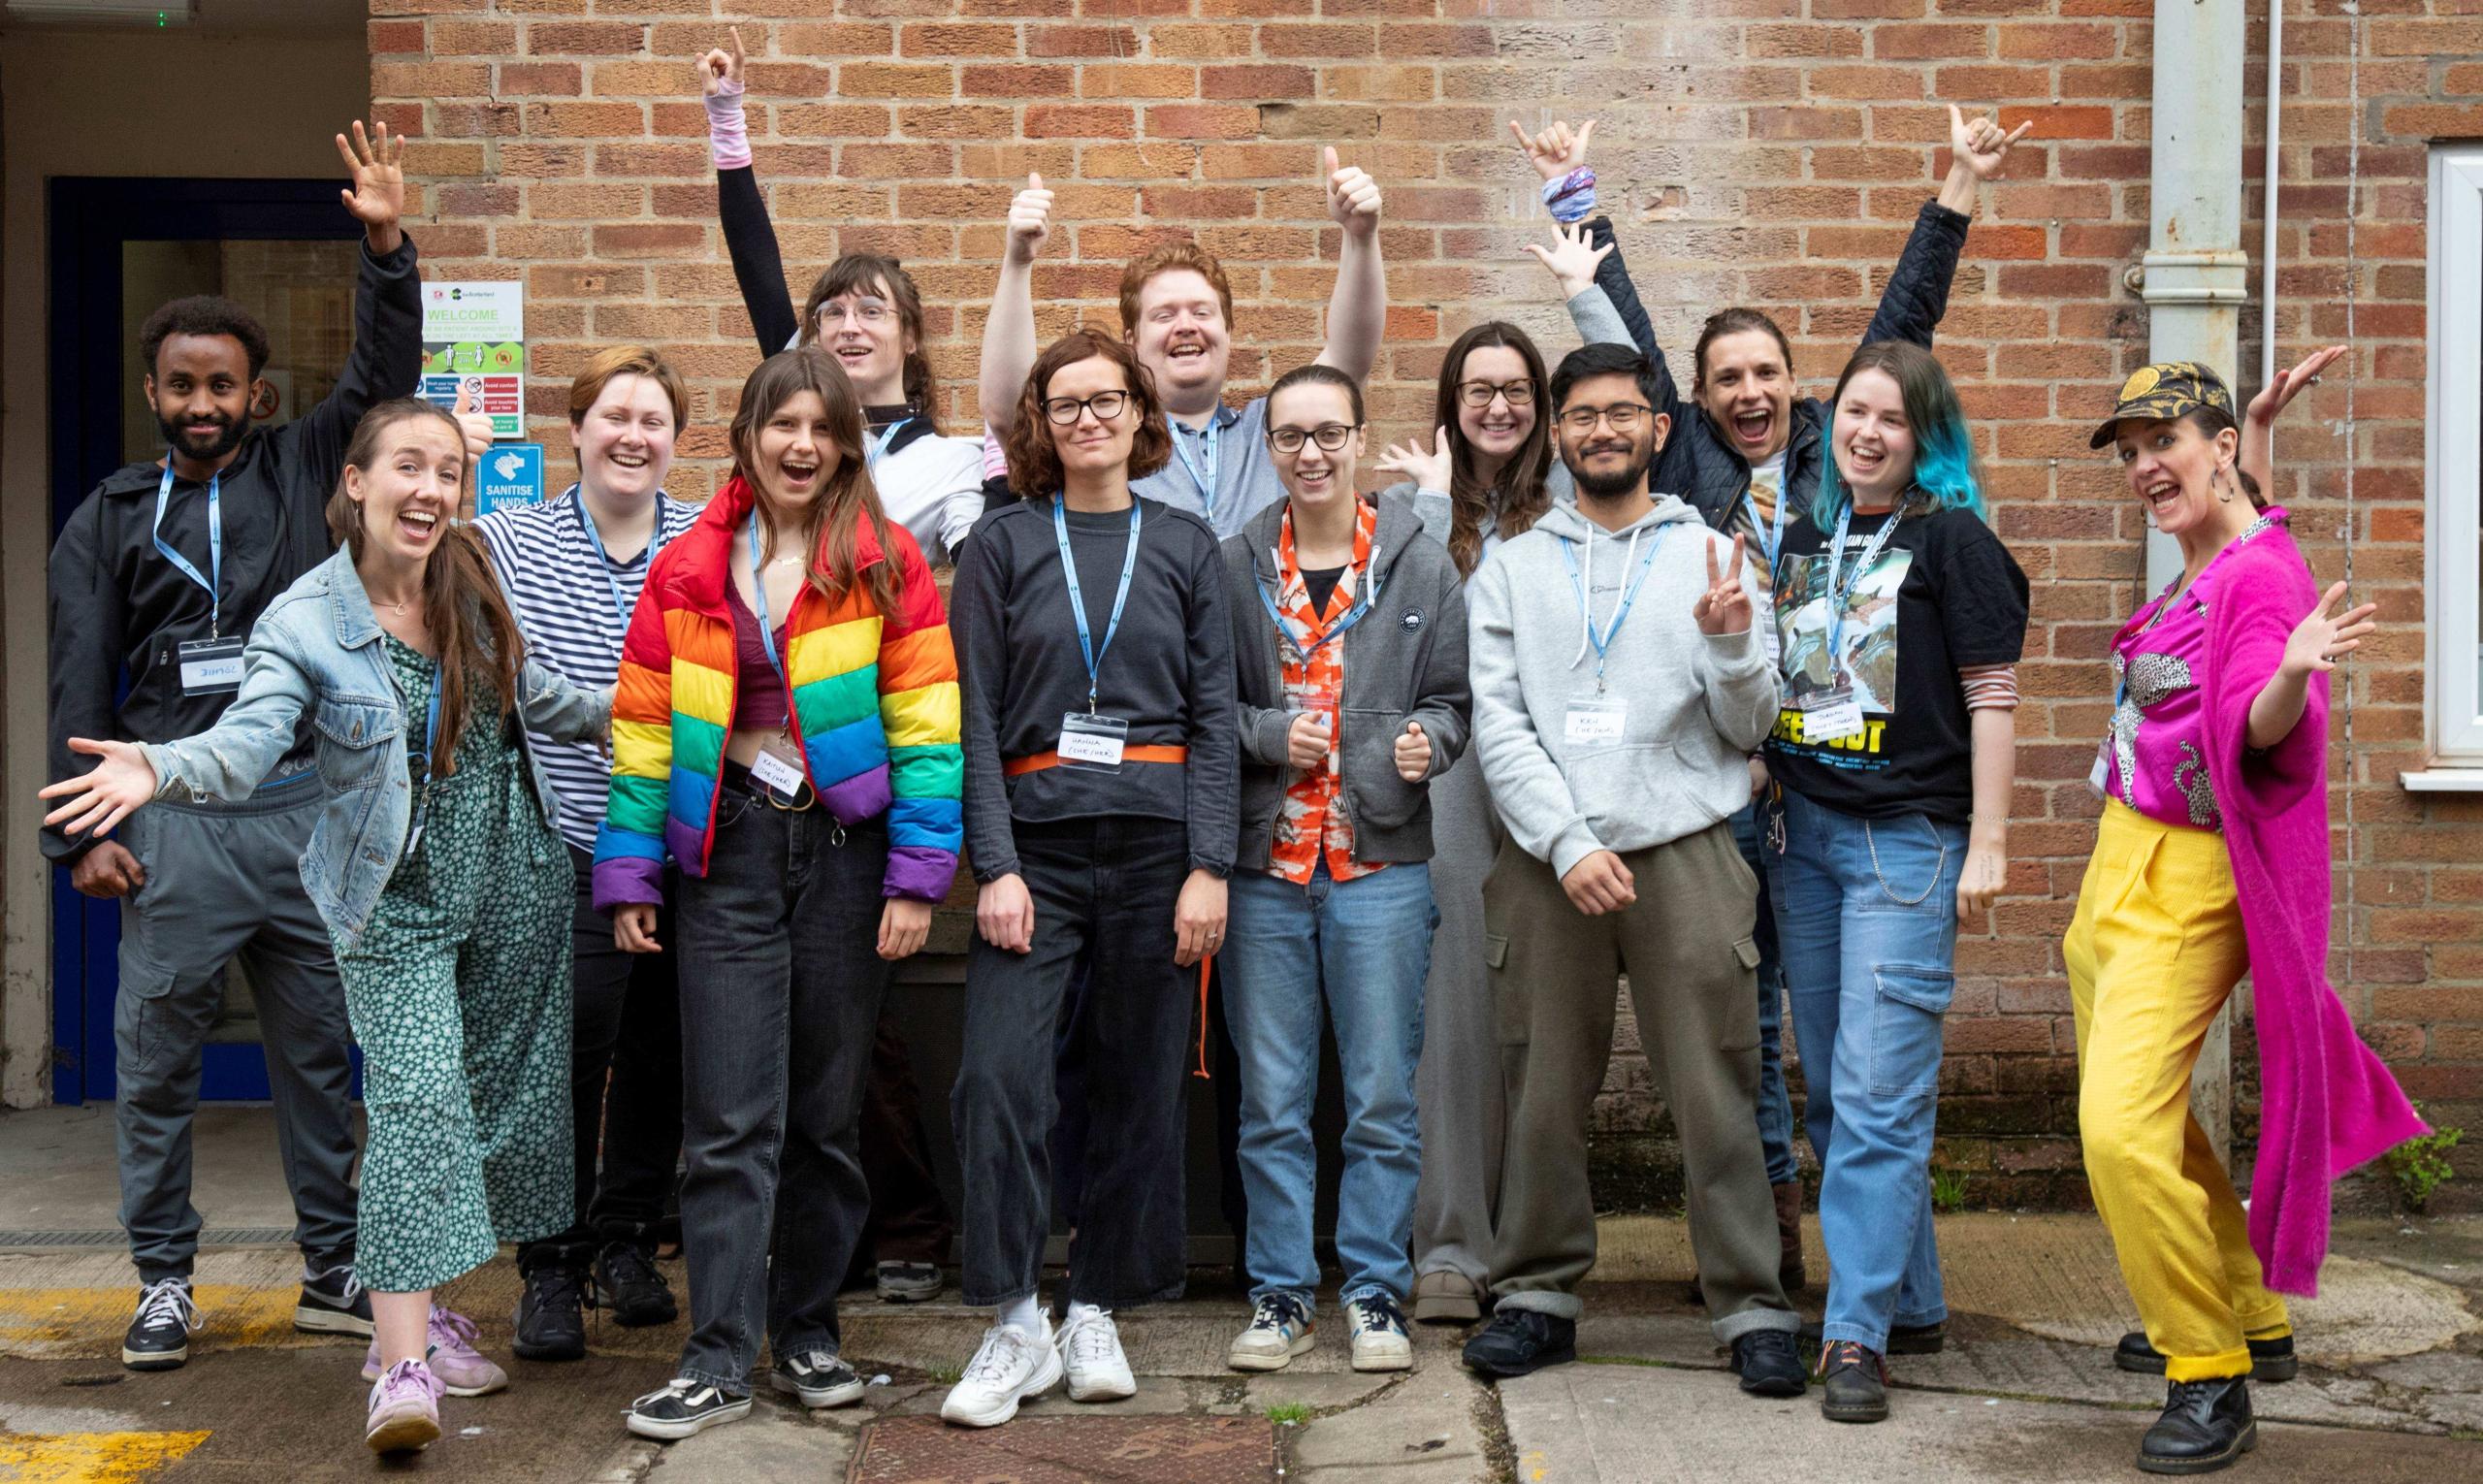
1943, 595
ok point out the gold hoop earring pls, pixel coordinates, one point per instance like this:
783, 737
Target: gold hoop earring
2223, 481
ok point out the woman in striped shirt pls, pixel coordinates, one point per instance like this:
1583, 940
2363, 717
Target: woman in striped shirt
571, 568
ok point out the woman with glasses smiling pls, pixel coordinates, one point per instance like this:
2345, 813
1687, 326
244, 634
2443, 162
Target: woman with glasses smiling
1488, 475
1097, 664
1349, 634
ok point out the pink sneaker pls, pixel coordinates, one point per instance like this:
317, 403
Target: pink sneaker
405, 1409
454, 1362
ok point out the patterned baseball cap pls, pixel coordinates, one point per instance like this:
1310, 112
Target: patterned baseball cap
2167, 389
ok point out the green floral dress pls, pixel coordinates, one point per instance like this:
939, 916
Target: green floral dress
459, 995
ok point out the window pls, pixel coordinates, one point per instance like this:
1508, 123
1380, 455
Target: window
2453, 470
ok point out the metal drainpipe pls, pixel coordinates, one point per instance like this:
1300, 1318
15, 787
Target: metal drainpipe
2196, 279
2268, 244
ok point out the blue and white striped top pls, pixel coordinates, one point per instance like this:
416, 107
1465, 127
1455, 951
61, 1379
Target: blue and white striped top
562, 591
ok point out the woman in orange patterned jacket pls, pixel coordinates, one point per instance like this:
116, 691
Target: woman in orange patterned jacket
786, 730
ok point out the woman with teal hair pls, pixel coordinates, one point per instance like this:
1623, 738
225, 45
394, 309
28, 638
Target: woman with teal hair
1902, 617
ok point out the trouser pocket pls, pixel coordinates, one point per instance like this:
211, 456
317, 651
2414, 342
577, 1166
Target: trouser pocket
1909, 1007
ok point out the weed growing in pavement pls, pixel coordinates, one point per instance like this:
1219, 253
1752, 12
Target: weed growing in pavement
1288, 1413
1948, 1191
2421, 1164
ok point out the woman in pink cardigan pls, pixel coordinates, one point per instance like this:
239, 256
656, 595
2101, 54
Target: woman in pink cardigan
2210, 861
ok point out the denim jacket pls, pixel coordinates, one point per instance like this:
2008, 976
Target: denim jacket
317, 650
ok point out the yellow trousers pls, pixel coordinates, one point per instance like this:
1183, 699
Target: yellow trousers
2154, 954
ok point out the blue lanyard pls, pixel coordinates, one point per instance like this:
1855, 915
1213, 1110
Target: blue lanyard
1363, 600
594, 539
422, 788
1840, 594
1208, 438
215, 544
876, 445
1078, 601
1770, 541
1629, 595
758, 591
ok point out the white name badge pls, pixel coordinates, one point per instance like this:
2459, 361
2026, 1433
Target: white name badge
1831, 715
211, 667
1093, 742
1595, 722
777, 775
2096, 777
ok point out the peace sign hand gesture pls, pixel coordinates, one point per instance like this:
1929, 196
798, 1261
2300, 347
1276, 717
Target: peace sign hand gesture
2326, 637
377, 161
1724, 607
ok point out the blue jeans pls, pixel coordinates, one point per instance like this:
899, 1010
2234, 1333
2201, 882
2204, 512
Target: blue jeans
1363, 947
1775, 1105
1867, 923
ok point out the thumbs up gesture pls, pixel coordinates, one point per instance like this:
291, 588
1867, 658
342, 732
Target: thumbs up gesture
1353, 196
1413, 753
1029, 219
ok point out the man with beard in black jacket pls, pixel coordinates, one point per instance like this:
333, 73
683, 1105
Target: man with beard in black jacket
159, 575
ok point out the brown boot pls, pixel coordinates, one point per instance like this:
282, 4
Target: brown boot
1789, 1237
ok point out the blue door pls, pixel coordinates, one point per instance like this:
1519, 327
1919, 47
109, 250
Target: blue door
119, 246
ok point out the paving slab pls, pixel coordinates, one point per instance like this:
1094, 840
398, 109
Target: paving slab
1428, 1428
1587, 1424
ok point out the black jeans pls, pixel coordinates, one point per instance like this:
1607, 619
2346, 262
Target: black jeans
1104, 888
624, 1084
780, 986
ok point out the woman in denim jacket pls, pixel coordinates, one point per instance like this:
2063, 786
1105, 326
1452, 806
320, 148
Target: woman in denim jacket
436, 868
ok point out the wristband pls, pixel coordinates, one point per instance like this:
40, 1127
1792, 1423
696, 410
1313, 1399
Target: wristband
1572, 197
728, 135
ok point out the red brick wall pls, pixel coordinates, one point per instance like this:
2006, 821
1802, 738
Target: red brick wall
1764, 151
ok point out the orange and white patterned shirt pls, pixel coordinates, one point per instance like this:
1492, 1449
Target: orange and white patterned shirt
1312, 821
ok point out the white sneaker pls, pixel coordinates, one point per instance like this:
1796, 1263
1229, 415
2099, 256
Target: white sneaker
1281, 1329
1091, 1348
1009, 1366
1378, 1328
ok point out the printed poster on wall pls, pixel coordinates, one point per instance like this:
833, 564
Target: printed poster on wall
475, 341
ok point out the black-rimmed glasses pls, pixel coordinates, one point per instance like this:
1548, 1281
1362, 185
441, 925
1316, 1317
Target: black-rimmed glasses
1479, 393
1106, 405
1330, 437
1621, 415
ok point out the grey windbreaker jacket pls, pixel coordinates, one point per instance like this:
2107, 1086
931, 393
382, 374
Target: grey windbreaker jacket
1404, 661
1696, 706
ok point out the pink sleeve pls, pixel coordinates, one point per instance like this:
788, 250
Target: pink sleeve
2262, 598
995, 457
727, 134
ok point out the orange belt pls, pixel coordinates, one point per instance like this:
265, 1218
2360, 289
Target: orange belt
1036, 762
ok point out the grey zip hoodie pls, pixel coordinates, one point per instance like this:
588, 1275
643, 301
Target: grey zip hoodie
1697, 706
1404, 661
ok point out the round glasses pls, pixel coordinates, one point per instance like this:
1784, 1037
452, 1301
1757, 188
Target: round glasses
1479, 393
1330, 437
1624, 416
1106, 405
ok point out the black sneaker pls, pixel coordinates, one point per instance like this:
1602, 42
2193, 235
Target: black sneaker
2270, 1360
907, 1282
551, 1325
1766, 1362
159, 1334
333, 1302
816, 1378
1520, 1341
1854, 1380
2205, 1426
634, 1291
1903, 1339
685, 1408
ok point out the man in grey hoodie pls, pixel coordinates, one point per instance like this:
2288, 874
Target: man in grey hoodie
1620, 687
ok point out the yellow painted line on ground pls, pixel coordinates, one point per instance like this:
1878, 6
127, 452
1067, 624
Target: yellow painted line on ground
55, 1323
90, 1458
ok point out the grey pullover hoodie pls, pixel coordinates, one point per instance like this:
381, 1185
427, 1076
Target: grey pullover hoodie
1695, 706
1404, 661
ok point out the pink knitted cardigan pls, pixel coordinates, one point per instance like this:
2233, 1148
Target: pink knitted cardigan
2327, 1102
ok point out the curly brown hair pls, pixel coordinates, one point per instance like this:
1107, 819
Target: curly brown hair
1034, 465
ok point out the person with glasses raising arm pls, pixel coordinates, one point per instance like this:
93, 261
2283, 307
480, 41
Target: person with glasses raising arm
1350, 634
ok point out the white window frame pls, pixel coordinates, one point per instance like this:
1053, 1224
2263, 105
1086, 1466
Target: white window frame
2453, 474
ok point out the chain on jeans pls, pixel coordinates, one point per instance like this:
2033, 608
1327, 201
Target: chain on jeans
1868, 838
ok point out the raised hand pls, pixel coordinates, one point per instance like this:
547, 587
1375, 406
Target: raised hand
1979, 145
1724, 607
1571, 258
377, 161
1556, 150
475, 424
1353, 196
2325, 635
1430, 470
98, 800
1029, 220
720, 70
2279, 393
